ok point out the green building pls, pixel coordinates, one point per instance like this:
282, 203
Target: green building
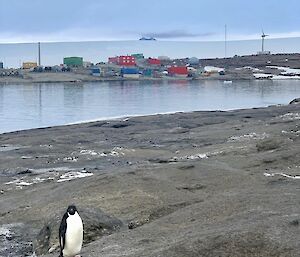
73, 61
138, 56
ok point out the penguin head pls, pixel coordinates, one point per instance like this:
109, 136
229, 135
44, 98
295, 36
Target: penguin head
71, 210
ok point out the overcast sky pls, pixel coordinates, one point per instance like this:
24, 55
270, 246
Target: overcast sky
85, 20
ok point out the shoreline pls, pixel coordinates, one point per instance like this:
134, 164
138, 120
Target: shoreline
199, 181
79, 79
127, 117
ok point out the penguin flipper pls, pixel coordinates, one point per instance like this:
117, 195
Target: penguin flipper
62, 233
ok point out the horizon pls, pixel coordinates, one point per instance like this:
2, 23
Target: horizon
35, 21
157, 40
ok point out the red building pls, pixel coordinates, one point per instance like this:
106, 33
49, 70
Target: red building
153, 61
122, 60
113, 60
178, 71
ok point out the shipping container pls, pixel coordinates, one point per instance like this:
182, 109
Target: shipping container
73, 61
178, 71
96, 71
29, 65
129, 71
153, 61
131, 76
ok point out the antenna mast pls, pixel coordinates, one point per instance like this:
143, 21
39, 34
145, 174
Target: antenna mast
39, 52
225, 40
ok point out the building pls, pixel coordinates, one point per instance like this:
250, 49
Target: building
1, 65
132, 73
29, 65
180, 71
164, 58
73, 61
124, 60
148, 73
113, 60
138, 56
153, 61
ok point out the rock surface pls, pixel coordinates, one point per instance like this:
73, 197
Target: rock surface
187, 184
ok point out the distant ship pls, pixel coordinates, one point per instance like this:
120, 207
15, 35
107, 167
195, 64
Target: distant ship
147, 38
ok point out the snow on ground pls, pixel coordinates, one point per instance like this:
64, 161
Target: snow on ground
281, 77
249, 68
213, 69
262, 76
286, 70
74, 175
248, 137
282, 175
290, 116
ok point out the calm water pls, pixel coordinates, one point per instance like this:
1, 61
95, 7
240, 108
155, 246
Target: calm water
42, 105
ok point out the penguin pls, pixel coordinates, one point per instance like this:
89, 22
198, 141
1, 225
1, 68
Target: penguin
70, 233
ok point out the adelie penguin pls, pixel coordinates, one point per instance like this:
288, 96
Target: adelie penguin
70, 233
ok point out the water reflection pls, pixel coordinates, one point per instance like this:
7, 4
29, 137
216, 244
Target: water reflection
40, 105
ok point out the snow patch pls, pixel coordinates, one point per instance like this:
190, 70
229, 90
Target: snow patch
74, 175
286, 70
262, 76
213, 69
282, 175
290, 116
247, 137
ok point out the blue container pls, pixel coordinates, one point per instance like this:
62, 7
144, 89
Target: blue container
129, 71
96, 71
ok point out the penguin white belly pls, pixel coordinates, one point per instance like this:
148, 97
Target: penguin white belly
74, 236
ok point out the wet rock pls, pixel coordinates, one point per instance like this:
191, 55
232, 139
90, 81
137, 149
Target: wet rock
96, 224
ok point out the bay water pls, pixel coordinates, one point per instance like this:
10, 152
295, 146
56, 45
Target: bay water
26, 106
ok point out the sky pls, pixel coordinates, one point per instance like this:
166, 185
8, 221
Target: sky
174, 20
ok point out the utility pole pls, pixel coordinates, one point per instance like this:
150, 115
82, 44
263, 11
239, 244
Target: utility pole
225, 40
39, 52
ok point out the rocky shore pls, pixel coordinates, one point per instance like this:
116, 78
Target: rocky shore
178, 185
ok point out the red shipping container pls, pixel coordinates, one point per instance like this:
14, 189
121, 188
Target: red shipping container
181, 70
153, 61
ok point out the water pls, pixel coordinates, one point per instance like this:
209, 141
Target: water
42, 105
52, 53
